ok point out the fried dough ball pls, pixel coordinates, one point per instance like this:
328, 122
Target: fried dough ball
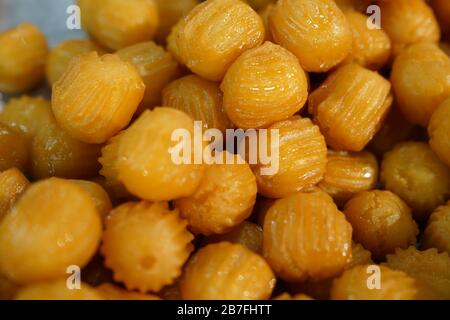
214, 34
316, 31
54, 225
429, 266
420, 81
96, 97
117, 24
306, 237
394, 285
408, 22
146, 245
229, 272
23, 51
350, 106
147, 168
437, 232
439, 132
381, 222
224, 199
264, 85
348, 173
413, 172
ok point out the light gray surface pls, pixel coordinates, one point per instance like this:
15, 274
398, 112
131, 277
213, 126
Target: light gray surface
49, 15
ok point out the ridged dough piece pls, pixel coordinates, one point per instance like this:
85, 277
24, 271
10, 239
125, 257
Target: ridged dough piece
215, 33
132, 245
96, 97
264, 85
109, 161
156, 66
301, 162
316, 31
371, 46
12, 185
348, 173
306, 237
227, 271
350, 106
199, 98
394, 285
